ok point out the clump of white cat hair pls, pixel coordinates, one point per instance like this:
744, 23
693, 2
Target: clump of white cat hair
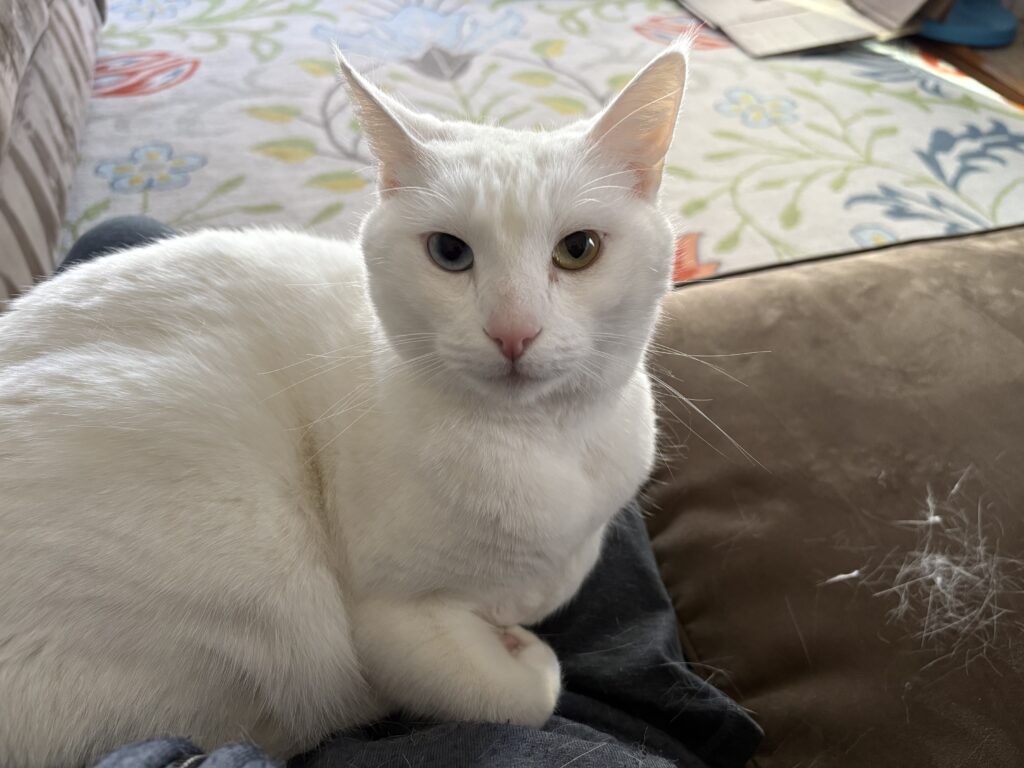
950, 588
259, 485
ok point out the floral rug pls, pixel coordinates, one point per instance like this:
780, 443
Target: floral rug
228, 113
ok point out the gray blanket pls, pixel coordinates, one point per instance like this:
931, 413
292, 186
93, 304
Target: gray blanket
629, 699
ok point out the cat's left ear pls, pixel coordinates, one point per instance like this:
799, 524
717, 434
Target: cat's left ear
635, 130
391, 142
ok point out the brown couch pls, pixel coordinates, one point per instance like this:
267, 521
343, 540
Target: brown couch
859, 589
47, 50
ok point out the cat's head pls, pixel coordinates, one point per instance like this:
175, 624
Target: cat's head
522, 265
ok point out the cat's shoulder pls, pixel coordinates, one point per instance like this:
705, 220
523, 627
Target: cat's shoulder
279, 246
213, 260
191, 284
235, 253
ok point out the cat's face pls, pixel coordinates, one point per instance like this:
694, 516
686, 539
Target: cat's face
521, 265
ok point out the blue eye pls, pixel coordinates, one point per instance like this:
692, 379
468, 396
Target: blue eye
449, 253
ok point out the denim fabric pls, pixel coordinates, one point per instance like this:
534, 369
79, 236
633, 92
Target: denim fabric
629, 698
179, 753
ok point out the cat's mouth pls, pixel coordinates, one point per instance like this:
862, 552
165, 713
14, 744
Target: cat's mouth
522, 378
516, 377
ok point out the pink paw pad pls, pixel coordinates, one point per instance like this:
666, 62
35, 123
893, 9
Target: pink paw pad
512, 643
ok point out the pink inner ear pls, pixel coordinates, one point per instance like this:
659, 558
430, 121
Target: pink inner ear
640, 184
647, 180
387, 180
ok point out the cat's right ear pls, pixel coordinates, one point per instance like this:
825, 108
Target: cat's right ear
636, 129
395, 148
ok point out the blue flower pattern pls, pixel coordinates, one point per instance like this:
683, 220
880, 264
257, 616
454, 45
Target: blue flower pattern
952, 157
883, 69
151, 166
756, 111
902, 204
438, 43
872, 235
148, 10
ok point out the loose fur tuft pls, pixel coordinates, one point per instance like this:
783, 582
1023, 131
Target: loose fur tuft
949, 589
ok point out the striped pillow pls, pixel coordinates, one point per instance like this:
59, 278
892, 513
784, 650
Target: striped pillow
47, 51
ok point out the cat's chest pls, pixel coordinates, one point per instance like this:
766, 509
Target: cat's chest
490, 510
515, 486
496, 506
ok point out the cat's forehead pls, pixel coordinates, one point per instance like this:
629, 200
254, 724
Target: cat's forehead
497, 167
519, 151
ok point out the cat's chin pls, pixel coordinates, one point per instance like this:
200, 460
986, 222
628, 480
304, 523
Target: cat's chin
513, 384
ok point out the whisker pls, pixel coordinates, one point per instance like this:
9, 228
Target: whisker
630, 170
693, 406
654, 346
426, 191
325, 368
608, 186
349, 284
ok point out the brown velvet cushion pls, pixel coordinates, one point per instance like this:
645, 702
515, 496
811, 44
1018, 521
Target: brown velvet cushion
892, 378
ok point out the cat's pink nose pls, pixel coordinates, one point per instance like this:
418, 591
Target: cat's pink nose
513, 340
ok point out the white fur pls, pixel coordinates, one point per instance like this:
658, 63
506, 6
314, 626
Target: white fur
262, 485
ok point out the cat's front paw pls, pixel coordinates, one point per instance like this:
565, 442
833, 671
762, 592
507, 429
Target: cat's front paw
544, 675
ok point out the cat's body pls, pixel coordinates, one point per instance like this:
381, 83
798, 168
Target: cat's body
262, 485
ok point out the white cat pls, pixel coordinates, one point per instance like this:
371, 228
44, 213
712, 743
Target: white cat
259, 485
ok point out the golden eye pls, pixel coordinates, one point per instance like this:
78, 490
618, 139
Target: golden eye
577, 250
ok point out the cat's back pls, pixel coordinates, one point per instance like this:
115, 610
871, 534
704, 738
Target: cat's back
190, 285
154, 473
162, 358
202, 338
